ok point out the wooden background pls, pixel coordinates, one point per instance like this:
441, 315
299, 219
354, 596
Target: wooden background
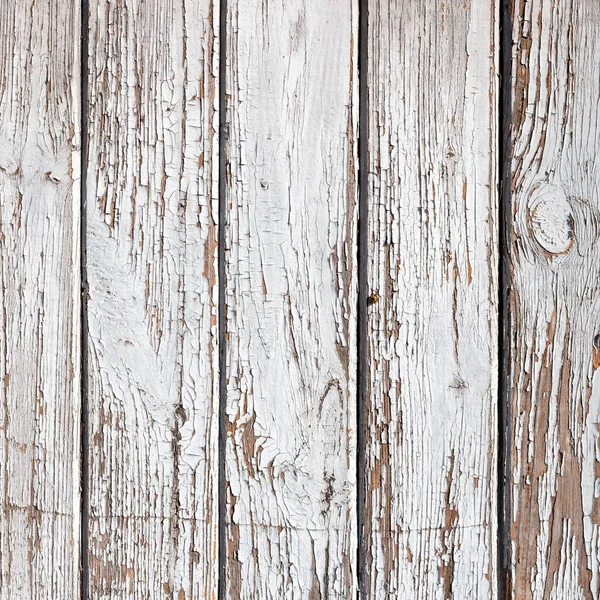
298, 299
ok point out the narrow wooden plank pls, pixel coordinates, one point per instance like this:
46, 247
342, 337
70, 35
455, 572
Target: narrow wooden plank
151, 245
291, 298
432, 334
39, 299
554, 303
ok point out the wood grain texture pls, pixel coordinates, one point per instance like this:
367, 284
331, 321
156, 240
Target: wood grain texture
554, 303
152, 303
291, 298
39, 299
432, 335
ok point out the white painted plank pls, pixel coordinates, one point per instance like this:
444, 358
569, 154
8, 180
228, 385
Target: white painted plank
554, 307
291, 297
432, 335
151, 245
39, 299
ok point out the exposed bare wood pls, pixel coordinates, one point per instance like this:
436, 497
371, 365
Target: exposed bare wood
554, 305
151, 244
432, 402
291, 297
39, 299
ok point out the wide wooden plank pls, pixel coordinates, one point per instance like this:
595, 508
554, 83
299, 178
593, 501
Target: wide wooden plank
432, 335
39, 299
554, 349
291, 297
152, 184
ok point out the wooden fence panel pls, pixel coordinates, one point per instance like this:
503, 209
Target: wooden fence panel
291, 295
432, 334
39, 299
554, 308
151, 329
152, 184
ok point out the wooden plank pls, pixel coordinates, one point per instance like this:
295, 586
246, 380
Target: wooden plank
151, 244
432, 335
39, 299
291, 298
553, 302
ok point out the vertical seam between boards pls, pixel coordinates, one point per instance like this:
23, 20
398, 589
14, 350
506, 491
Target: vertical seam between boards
222, 445
84, 390
362, 255
504, 159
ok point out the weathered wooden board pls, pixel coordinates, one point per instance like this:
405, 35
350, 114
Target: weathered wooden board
291, 298
152, 182
433, 253
554, 306
39, 299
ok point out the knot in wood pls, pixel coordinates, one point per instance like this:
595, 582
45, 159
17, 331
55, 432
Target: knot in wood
551, 221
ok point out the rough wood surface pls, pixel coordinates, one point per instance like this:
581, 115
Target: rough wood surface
554, 304
152, 301
433, 202
291, 297
39, 299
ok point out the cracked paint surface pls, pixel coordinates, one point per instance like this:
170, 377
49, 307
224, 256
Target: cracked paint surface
432, 334
151, 222
553, 307
152, 302
291, 298
39, 300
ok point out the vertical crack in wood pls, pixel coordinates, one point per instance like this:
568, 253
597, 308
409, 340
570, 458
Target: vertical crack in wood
222, 535
84, 423
362, 248
504, 155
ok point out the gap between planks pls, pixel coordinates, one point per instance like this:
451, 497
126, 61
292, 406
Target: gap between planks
504, 180
222, 317
362, 274
84, 422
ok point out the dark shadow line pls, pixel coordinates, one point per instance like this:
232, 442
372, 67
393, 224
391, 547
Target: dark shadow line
362, 260
504, 416
84, 391
222, 446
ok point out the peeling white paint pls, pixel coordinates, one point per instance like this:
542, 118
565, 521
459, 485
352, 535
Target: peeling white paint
39, 300
433, 256
291, 297
152, 273
554, 308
